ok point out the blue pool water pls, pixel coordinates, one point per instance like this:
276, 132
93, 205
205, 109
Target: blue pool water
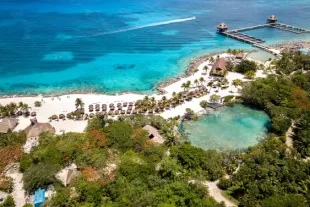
232, 128
56, 46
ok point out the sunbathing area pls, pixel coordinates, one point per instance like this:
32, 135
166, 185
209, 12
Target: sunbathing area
71, 112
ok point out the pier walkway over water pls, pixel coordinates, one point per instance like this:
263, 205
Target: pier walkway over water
257, 42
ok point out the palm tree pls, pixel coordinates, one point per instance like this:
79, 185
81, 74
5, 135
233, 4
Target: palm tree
237, 82
24, 108
201, 80
188, 84
184, 86
146, 98
196, 82
174, 94
210, 84
164, 98
79, 103
218, 85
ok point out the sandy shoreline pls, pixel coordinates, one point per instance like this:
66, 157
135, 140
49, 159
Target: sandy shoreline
65, 103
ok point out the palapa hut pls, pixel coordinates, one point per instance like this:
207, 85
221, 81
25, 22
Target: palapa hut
36, 128
91, 108
62, 116
123, 112
222, 27
240, 56
111, 105
116, 112
67, 174
91, 115
153, 134
128, 112
272, 19
125, 104
8, 124
54, 117
219, 67
19, 113
33, 113
97, 107
131, 104
111, 113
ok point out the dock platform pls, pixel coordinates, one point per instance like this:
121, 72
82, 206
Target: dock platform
257, 42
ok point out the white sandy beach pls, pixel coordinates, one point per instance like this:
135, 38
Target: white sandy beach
66, 103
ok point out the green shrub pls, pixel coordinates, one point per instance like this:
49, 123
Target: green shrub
40, 175
9, 202
37, 104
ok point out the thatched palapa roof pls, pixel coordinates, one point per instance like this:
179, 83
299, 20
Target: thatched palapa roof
8, 124
36, 128
153, 134
219, 67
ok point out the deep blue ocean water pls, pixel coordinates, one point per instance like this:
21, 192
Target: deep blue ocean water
232, 128
57, 46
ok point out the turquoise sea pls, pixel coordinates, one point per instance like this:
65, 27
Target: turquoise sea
229, 129
57, 46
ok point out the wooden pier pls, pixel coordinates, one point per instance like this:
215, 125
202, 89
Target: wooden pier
256, 42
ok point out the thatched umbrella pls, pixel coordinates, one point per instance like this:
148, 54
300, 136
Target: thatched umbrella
33, 113
116, 112
91, 115
110, 113
111, 105
97, 107
150, 111
134, 111
123, 112
104, 109
119, 108
128, 112
129, 107
54, 117
62, 116
19, 113
131, 104
119, 104
112, 108
27, 113
85, 116
104, 106
91, 107
125, 104
157, 110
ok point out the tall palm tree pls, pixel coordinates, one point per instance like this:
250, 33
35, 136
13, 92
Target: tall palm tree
79, 103
210, 84
184, 86
196, 82
201, 80
146, 98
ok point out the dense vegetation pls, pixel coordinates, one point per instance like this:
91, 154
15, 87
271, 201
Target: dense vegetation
143, 173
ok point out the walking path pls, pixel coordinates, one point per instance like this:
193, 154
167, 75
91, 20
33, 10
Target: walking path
289, 140
216, 193
18, 192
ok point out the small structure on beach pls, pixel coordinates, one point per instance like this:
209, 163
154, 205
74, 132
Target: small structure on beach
222, 27
272, 19
36, 128
153, 134
219, 67
8, 124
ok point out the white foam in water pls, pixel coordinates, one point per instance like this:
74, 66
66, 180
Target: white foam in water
144, 26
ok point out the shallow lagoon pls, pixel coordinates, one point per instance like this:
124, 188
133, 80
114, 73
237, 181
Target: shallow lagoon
232, 128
